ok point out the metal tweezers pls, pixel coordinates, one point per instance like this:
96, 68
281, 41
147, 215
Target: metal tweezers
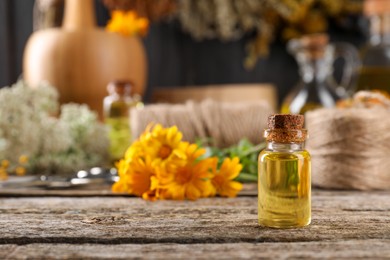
92, 176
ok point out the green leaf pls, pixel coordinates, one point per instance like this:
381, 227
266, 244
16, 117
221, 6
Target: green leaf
244, 150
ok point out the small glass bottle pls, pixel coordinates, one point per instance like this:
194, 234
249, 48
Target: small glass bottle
116, 107
284, 186
375, 72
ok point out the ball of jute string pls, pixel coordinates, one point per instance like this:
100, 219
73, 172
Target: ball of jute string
350, 148
225, 123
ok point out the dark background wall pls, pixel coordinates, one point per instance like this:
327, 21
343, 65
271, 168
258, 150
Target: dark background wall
175, 59
15, 28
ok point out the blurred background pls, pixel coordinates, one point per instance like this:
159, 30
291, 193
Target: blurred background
87, 77
252, 51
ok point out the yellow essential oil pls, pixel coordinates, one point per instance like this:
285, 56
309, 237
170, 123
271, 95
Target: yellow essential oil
287, 109
119, 136
374, 78
116, 116
284, 187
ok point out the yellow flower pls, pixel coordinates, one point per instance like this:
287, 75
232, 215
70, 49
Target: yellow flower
23, 159
135, 176
127, 23
223, 179
164, 144
154, 192
4, 164
136, 149
193, 152
20, 171
119, 186
156, 149
188, 181
3, 174
159, 165
159, 143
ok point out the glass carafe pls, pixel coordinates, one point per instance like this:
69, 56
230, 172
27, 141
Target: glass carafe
318, 87
375, 72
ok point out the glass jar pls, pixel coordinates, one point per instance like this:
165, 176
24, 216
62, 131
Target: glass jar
116, 108
317, 87
284, 182
375, 72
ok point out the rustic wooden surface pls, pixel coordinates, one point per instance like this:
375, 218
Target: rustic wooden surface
249, 189
345, 224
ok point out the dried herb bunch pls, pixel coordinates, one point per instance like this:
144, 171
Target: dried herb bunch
231, 19
31, 138
154, 10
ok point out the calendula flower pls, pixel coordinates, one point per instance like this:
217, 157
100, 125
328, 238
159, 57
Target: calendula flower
136, 149
4, 164
164, 144
189, 181
3, 174
159, 165
23, 159
154, 192
135, 175
20, 171
127, 23
223, 179
193, 152
3, 170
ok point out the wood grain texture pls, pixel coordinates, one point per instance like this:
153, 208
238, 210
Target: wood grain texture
351, 249
249, 189
337, 216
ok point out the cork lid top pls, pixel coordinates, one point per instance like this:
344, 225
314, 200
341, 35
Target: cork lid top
285, 128
318, 40
121, 87
280, 121
313, 45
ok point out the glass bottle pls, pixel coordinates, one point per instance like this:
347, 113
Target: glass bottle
375, 72
317, 87
284, 182
116, 107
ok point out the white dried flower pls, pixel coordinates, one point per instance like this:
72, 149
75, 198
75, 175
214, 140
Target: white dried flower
75, 140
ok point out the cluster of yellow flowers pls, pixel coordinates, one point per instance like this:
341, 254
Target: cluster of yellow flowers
127, 23
159, 165
19, 170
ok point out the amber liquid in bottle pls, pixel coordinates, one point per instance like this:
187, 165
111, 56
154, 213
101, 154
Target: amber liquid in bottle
377, 78
284, 189
119, 128
375, 55
116, 116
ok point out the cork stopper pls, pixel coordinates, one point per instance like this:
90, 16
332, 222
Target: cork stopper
285, 121
318, 40
121, 87
286, 129
313, 45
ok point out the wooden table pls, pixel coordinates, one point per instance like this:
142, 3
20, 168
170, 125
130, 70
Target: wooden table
61, 225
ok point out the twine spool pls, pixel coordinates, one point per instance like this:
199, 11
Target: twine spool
226, 123
350, 148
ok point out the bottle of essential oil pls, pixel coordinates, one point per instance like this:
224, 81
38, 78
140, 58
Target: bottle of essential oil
375, 72
116, 107
284, 174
